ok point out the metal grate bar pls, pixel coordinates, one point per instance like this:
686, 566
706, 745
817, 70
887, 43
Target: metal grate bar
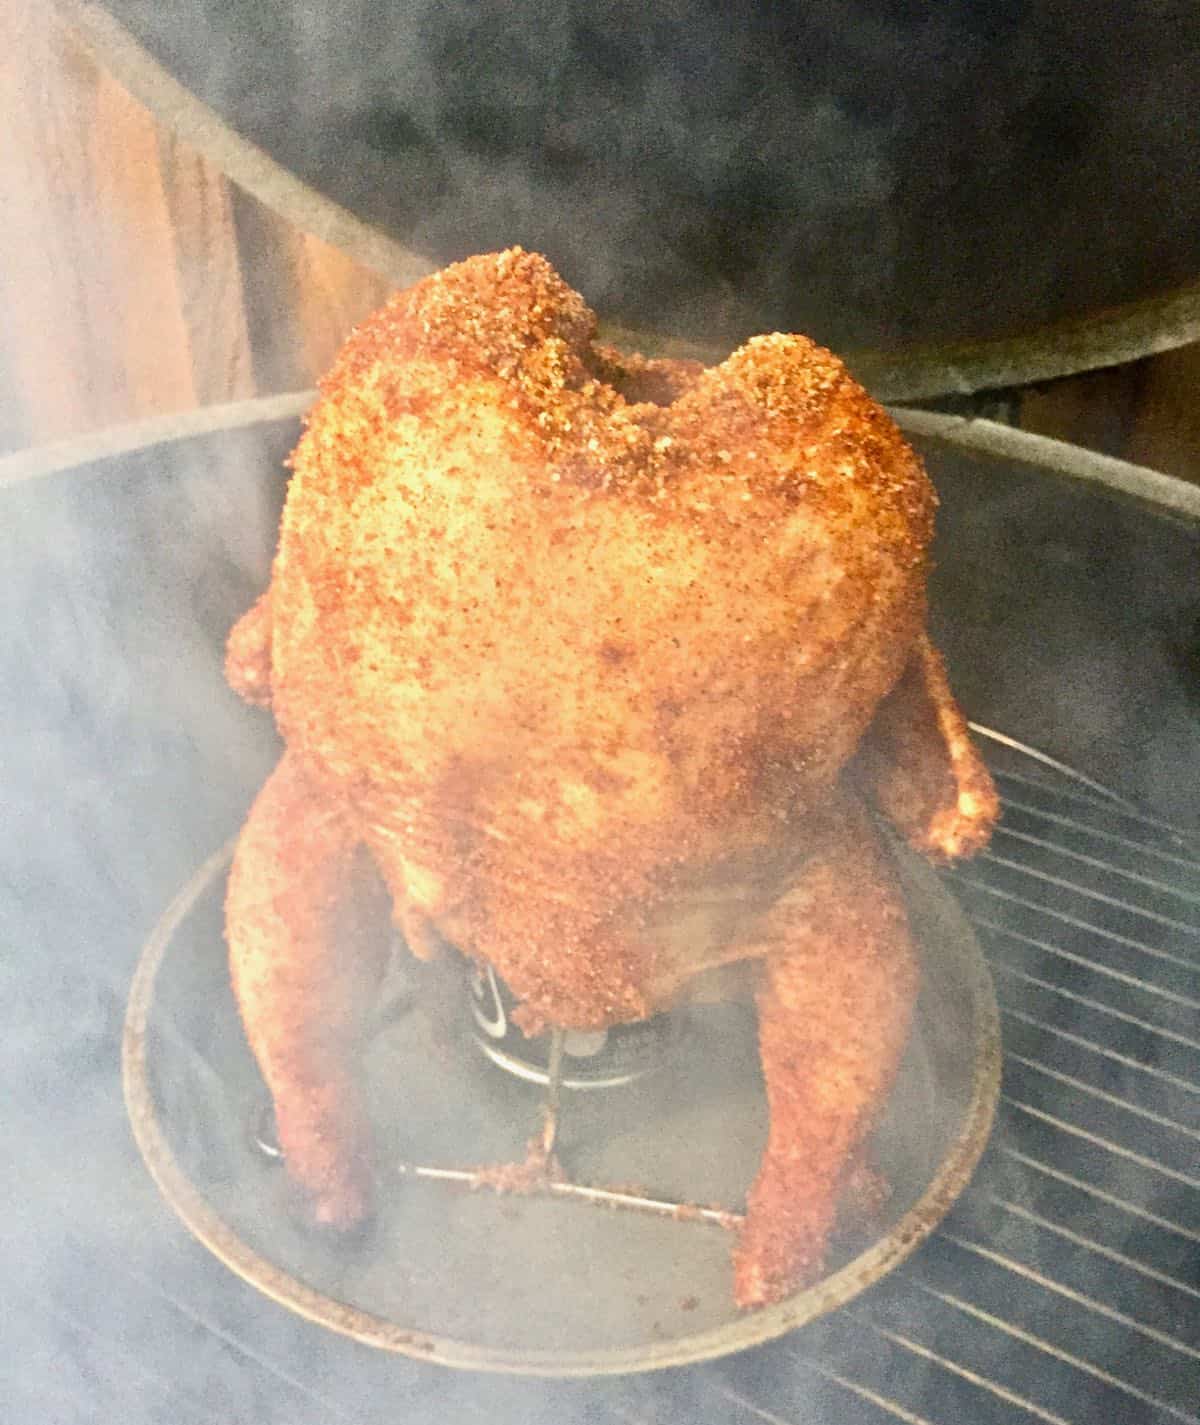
884, 1403
1010, 1397
1137, 823
757, 1412
1137, 851
1093, 911
1088, 1080
1108, 1223
761, 1386
1106, 1009
1109, 868
1076, 1048
752, 1411
1118, 1149
204, 1323
1074, 781
1115, 1100
1063, 1288
1066, 1257
1090, 930
1076, 1243
999, 1324
1044, 1223
1063, 883
928, 1378
1166, 1224
1052, 1345
1129, 983
1079, 1298
111, 1364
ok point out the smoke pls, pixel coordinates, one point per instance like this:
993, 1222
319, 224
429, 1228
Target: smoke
867, 171
124, 760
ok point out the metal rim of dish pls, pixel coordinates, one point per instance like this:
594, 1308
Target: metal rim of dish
752, 1329
1104, 338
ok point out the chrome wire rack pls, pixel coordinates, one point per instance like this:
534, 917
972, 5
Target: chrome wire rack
1065, 1285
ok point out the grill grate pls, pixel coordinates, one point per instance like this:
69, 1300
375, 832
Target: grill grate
1065, 1285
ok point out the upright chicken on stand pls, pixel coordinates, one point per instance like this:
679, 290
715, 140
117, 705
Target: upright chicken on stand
595, 666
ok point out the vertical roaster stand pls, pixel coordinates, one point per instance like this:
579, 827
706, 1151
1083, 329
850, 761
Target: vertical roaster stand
629, 1273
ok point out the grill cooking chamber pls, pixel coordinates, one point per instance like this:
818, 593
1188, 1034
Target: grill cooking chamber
1063, 1284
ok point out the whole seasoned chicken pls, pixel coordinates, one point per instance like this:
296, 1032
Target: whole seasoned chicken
590, 664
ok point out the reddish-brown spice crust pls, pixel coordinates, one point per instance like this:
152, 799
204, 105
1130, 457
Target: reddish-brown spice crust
835, 1001
577, 646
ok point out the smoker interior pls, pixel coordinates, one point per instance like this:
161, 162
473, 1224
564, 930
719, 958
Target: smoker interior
875, 175
1063, 1285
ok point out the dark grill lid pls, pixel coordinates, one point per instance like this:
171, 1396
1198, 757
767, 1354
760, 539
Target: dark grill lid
883, 176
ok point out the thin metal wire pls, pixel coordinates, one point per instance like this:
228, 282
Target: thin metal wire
553, 1093
1080, 1298
1098, 796
180, 1399
744, 1403
1115, 1099
1190, 862
1096, 930
1027, 1338
1036, 755
866, 1393
1010, 1397
1076, 1132
1079, 1240
604, 1197
1094, 965
1179, 836
1028, 870
237, 1345
1174, 1080
1100, 1194
1094, 1004
1109, 867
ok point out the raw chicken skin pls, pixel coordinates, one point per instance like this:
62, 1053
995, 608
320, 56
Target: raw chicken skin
591, 660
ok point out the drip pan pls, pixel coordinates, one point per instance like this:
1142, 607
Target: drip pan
530, 1284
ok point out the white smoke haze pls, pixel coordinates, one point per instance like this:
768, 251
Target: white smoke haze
124, 760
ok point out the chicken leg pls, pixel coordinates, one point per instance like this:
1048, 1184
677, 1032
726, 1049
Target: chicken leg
835, 1000
306, 915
